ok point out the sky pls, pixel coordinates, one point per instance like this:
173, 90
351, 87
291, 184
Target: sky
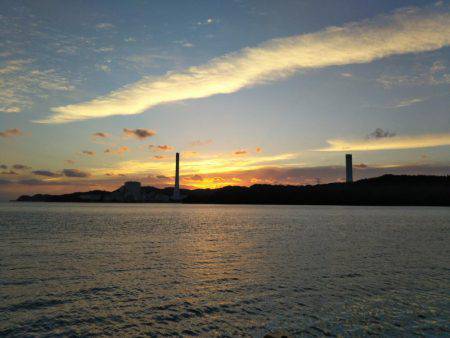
96, 93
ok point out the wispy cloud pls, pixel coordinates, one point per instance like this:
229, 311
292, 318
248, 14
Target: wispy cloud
184, 43
409, 102
162, 147
46, 173
409, 30
21, 167
380, 133
88, 152
11, 132
104, 25
240, 152
65, 172
139, 133
389, 143
20, 83
100, 135
118, 151
205, 22
419, 75
75, 173
103, 68
13, 66
200, 143
10, 172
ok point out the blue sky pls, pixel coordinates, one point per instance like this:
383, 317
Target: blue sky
335, 73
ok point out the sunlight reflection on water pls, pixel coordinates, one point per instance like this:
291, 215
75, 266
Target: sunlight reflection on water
223, 270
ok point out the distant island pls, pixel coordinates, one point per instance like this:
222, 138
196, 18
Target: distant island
383, 190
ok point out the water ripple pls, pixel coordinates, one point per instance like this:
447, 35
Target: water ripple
223, 271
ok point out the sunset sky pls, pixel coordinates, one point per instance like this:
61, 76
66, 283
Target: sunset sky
95, 93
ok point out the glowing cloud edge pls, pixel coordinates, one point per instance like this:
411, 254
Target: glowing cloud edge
389, 143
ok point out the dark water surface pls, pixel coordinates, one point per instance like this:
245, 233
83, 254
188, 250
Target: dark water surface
209, 270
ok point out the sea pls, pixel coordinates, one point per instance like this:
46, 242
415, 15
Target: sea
74, 269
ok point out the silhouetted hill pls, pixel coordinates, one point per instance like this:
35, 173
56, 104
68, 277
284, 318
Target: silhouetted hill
383, 190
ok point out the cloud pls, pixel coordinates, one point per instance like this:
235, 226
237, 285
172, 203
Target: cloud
13, 66
8, 172
163, 147
409, 30
21, 167
140, 134
104, 68
3, 166
11, 132
100, 135
70, 161
33, 181
389, 143
380, 133
437, 67
419, 75
38, 182
11, 110
201, 164
22, 83
162, 177
118, 175
75, 173
409, 102
88, 152
258, 149
184, 43
118, 151
200, 143
104, 25
208, 21
46, 173
240, 152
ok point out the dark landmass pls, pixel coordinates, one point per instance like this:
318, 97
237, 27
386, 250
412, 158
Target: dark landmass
383, 190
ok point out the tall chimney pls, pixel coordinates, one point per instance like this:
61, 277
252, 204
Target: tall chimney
349, 168
176, 190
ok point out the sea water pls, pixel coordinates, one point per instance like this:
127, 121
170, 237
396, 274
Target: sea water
223, 270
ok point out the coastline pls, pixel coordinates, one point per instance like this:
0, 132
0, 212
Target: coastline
387, 190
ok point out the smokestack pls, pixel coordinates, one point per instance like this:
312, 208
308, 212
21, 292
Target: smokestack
349, 168
176, 190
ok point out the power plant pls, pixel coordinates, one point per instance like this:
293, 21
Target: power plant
348, 168
176, 190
